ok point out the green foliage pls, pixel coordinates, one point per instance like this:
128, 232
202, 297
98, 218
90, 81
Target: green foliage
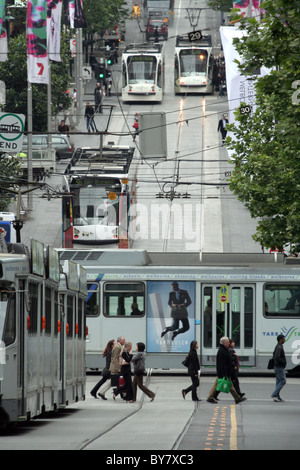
10, 172
101, 15
224, 5
14, 73
266, 144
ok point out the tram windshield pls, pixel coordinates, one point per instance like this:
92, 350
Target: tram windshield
141, 69
192, 62
91, 206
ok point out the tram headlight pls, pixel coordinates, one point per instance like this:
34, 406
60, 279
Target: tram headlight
182, 81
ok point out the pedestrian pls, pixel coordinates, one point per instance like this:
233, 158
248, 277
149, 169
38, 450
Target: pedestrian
109, 83
63, 128
126, 373
89, 116
98, 95
235, 369
136, 125
114, 366
222, 127
75, 97
139, 369
193, 371
106, 372
224, 369
279, 366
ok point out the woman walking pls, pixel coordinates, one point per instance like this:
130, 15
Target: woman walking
193, 368
139, 369
105, 373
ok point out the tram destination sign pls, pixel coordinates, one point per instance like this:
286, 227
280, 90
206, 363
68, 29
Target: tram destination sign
11, 132
195, 36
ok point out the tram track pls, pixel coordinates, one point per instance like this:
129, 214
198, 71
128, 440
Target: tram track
117, 428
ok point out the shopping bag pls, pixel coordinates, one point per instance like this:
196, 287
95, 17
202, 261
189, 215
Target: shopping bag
271, 364
121, 381
223, 385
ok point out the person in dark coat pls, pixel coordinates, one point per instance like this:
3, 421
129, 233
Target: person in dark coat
105, 373
224, 369
222, 127
179, 300
279, 366
98, 95
126, 373
193, 371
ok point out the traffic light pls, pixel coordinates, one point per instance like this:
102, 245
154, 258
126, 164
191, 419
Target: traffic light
101, 71
109, 61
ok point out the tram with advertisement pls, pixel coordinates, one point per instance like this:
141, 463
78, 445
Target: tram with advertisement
249, 297
193, 67
143, 73
100, 189
42, 332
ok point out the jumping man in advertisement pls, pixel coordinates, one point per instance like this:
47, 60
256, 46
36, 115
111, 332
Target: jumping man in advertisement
179, 300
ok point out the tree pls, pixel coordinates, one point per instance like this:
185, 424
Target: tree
102, 14
10, 172
14, 71
266, 144
224, 5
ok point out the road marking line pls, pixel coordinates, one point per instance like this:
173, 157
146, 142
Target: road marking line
233, 431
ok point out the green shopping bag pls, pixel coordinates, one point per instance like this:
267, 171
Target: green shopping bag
223, 385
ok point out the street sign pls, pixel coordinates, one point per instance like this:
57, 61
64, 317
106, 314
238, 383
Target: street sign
11, 132
224, 295
246, 109
195, 36
86, 72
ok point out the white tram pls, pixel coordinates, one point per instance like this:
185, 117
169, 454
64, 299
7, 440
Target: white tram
42, 333
193, 68
249, 297
143, 69
101, 187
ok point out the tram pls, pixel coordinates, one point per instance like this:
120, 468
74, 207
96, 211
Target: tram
42, 332
193, 71
249, 297
100, 187
143, 69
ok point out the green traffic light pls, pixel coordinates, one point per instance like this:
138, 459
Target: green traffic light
108, 61
101, 75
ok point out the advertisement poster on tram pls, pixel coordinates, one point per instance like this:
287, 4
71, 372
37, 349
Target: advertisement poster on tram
171, 316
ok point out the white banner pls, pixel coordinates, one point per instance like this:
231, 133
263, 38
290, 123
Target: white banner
37, 69
53, 31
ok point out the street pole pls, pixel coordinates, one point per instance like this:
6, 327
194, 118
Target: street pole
29, 147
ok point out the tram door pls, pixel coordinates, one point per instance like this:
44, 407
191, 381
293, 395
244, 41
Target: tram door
228, 310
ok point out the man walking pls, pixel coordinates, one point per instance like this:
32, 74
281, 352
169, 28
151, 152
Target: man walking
224, 369
89, 116
279, 366
222, 127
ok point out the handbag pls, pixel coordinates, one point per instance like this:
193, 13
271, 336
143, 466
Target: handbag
186, 361
271, 364
224, 385
115, 380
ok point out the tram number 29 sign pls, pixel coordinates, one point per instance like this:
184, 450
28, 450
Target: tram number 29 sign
195, 36
11, 132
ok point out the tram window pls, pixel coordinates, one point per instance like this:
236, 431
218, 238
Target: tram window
47, 312
70, 311
7, 318
56, 310
248, 317
282, 300
33, 314
141, 69
236, 315
207, 319
66, 213
192, 61
124, 75
124, 299
92, 302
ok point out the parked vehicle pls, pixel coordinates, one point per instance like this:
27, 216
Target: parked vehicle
59, 142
